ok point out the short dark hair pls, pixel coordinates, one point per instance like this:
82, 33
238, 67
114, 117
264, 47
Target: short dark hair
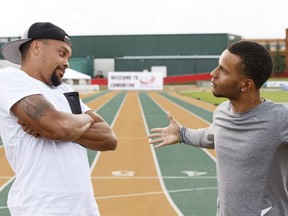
256, 60
24, 49
26, 46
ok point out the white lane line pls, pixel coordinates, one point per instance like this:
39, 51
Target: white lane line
6, 177
155, 193
7, 183
112, 125
153, 177
146, 194
190, 112
166, 193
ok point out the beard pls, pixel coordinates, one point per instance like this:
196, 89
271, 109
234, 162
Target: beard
56, 81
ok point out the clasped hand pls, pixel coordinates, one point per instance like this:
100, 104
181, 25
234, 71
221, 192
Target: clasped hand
28, 129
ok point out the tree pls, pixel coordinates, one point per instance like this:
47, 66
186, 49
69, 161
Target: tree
279, 61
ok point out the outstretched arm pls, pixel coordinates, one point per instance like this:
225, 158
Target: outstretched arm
175, 133
167, 135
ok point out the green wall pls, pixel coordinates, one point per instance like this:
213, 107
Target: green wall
150, 45
174, 66
175, 51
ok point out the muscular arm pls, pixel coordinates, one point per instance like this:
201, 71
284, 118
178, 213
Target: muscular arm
100, 136
37, 113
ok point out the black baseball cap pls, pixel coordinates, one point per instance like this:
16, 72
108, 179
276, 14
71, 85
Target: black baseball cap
39, 30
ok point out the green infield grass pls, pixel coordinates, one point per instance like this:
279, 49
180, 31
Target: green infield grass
275, 95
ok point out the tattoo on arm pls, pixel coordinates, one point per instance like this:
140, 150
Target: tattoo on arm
35, 107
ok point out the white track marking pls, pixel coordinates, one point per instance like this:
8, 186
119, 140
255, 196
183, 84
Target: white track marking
157, 165
202, 119
112, 125
156, 193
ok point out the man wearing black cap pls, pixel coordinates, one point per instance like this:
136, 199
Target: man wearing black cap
46, 128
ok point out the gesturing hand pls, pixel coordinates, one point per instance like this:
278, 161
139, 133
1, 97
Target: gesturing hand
167, 135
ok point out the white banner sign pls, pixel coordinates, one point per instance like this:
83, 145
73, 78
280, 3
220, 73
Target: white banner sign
135, 81
276, 83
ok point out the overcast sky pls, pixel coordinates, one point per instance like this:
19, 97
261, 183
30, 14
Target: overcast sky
247, 18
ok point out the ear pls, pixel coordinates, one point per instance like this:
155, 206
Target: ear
35, 48
248, 84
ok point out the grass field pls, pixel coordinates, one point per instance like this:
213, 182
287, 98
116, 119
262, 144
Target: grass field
273, 95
